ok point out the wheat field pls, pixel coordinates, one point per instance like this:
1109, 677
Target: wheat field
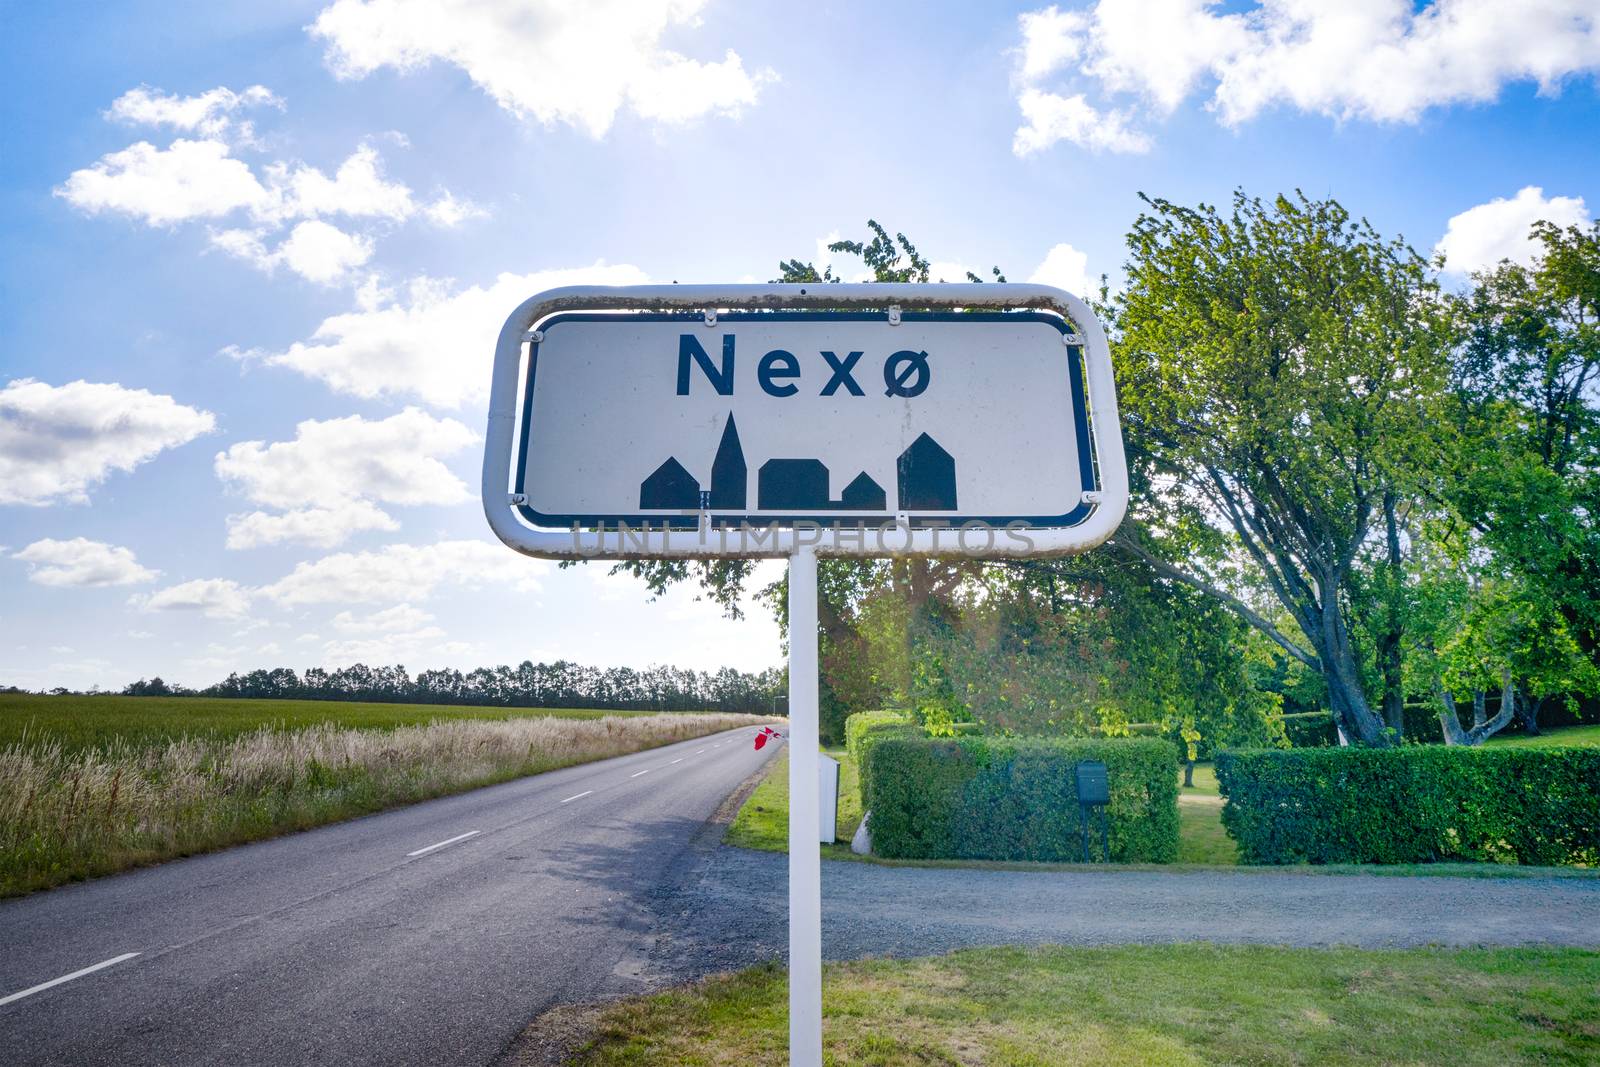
67, 814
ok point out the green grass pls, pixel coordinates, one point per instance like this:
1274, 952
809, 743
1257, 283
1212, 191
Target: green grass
81, 722
1137, 1005
1561, 735
763, 820
1201, 838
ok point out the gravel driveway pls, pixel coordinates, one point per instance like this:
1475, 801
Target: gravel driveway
731, 910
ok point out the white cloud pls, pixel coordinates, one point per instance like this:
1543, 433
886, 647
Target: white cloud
323, 253
358, 189
202, 179
215, 598
1051, 118
319, 527
401, 573
188, 180
390, 620
317, 251
209, 113
1065, 268
58, 441
81, 562
393, 647
1381, 60
392, 635
1480, 237
436, 345
448, 211
328, 480
547, 59
1051, 39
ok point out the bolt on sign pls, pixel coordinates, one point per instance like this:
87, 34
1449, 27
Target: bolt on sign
698, 421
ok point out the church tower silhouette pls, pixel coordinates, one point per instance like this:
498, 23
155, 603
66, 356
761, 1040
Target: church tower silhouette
729, 475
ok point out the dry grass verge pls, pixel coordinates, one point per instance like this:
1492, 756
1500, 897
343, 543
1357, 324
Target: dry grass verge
66, 815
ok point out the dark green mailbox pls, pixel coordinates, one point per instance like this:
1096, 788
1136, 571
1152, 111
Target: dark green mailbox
1093, 786
1094, 793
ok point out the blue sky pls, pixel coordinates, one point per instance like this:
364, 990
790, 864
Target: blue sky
256, 256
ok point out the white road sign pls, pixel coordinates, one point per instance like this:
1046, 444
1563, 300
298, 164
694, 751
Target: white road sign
777, 414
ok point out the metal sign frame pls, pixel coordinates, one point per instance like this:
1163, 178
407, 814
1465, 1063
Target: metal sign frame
519, 527
516, 525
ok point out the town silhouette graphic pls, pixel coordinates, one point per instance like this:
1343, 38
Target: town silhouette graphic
925, 476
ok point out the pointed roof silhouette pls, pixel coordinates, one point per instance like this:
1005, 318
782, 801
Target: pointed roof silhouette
864, 494
670, 486
927, 477
729, 474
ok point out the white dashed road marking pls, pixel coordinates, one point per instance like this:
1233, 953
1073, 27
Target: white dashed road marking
447, 841
42, 986
585, 793
635, 775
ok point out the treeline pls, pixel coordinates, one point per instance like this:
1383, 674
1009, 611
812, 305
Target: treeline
561, 684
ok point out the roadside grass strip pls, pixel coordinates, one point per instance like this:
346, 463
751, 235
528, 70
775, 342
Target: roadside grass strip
1135, 1005
67, 814
763, 820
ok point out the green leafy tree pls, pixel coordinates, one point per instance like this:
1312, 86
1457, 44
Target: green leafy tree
1281, 366
1527, 478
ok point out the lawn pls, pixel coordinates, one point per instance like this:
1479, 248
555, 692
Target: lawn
79, 722
1156, 1005
1562, 735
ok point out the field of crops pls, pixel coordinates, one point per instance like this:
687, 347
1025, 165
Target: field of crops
95, 784
80, 722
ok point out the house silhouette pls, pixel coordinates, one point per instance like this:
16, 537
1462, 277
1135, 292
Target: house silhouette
927, 477
863, 494
670, 487
792, 484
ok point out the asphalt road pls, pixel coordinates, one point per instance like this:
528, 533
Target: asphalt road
730, 911
425, 935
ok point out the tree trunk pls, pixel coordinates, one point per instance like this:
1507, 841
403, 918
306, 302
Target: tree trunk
1342, 674
1455, 735
1449, 722
1389, 640
1478, 697
1188, 774
1528, 715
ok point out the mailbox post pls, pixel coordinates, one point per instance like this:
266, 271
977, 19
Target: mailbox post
1094, 793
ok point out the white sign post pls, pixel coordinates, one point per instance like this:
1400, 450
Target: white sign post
764, 421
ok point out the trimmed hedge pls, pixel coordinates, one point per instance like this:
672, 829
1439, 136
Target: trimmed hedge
1015, 799
866, 728
857, 726
1417, 804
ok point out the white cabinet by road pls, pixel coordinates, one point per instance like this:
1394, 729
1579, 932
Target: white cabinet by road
828, 794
